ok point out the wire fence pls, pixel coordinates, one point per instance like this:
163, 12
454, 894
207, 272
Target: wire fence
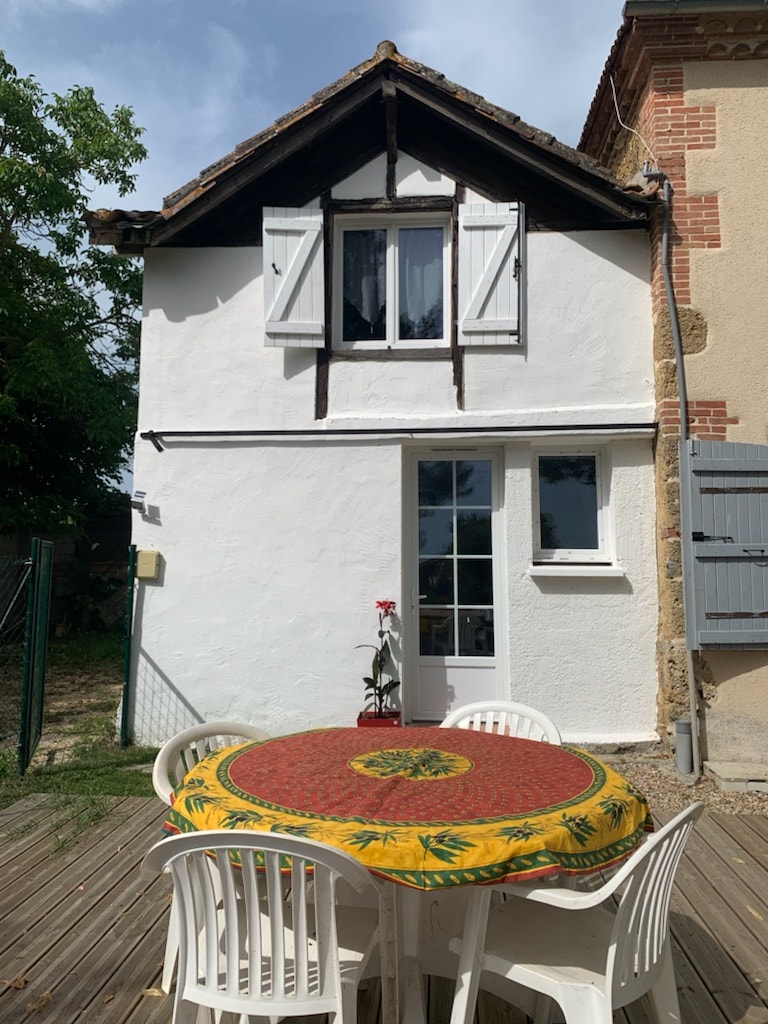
14, 581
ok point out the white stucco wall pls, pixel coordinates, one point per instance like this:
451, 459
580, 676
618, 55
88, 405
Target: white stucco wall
588, 351
587, 358
273, 556
274, 550
412, 178
265, 558
582, 648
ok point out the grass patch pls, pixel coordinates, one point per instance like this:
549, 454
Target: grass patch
96, 768
79, 757
92, 651
75, 816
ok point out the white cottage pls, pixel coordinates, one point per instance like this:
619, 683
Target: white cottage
397, 346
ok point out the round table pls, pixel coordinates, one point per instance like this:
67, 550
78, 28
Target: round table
427, 808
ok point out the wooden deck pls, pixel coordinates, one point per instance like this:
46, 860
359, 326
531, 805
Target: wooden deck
82, 935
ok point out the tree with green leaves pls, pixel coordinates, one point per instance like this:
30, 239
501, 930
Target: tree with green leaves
68, 312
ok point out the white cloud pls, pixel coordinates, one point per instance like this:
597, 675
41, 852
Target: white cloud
217, 92
202, 77
209, 103
542, 61
17, 9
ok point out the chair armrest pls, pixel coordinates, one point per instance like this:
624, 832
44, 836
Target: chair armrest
556, 896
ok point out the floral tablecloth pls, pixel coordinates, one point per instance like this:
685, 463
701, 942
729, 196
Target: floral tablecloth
427, 808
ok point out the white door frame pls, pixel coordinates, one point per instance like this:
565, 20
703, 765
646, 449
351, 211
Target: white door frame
410, 597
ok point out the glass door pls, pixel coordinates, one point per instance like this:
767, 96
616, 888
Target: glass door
456, 509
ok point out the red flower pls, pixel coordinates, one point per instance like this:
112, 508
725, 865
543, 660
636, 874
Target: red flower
379, 689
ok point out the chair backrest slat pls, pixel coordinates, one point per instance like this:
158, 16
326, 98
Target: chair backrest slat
641, 924
186, 749
507, 717
243, 946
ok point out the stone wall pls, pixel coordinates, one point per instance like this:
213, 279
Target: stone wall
674, 127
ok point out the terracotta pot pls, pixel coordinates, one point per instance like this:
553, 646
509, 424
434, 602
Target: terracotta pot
387, 719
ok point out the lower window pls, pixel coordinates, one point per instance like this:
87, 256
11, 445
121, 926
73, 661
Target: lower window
569, 507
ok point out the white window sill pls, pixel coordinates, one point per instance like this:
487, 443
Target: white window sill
430, 345
563, 569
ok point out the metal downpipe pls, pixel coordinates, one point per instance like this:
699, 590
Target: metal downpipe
683, 454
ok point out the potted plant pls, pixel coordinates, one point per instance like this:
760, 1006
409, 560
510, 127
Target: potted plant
380, 684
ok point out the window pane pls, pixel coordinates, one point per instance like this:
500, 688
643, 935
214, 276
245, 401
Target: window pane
435, 483
420, 262
436, 532
568, 501
473, 533
473, 482
475, 581
436, 580
476, 633
436, 633
365, 285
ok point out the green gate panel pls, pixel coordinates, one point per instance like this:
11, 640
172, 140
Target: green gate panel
35, 651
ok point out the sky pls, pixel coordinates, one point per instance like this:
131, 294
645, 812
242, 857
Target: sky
203, 75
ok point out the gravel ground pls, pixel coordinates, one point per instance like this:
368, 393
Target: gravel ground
665, 789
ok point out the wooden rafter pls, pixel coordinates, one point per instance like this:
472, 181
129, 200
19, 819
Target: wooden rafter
389, 96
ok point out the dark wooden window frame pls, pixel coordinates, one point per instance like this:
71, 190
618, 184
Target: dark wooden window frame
333, 208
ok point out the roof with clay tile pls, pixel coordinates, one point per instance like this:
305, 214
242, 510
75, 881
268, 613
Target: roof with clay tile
343, 126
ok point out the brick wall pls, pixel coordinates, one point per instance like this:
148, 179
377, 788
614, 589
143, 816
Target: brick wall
647, 69
671, 129
708, 419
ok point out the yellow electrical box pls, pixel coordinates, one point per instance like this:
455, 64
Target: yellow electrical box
147, 565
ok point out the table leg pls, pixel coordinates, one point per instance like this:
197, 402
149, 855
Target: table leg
402, 990
468, 976
413, 1009
388, 932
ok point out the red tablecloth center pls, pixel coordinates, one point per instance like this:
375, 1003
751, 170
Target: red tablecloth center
331, 783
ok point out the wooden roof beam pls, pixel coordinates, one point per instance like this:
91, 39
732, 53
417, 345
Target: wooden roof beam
389, 96
225, 183
520, 153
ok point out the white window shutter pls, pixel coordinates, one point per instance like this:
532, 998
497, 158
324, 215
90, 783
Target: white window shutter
490, 273
294, 287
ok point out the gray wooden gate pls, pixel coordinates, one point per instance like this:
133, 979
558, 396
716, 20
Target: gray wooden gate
724, 520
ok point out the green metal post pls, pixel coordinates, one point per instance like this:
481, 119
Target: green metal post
35, 650
124, 717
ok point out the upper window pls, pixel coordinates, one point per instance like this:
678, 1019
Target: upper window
391, 281
392, 278
568, 507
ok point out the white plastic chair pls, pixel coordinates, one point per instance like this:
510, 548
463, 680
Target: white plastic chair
186, 749
244, 949
579, 949
504, 716
177, 757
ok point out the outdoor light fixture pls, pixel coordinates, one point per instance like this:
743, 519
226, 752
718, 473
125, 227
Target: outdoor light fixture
137, 501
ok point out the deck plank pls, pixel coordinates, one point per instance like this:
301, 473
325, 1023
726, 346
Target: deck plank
84, 927
18, 813
124, 965
88, 894
74, 884
718, 902
736, 859
745, 829
490, 1010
